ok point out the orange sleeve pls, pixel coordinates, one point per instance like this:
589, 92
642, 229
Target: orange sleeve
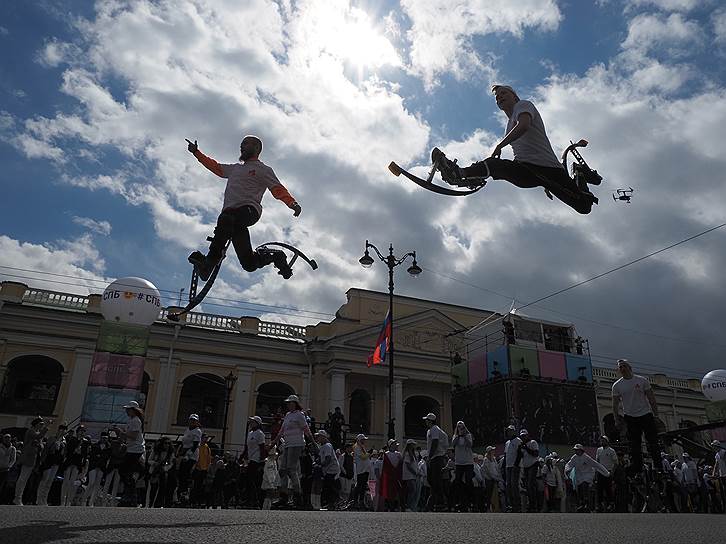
280, 193
211, 165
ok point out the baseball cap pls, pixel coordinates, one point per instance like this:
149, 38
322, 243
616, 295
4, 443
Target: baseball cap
430, 417
361, 437
194, 417
579, 447
256, 419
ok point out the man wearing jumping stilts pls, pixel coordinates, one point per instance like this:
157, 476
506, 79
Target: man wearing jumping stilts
246, 184
534, 164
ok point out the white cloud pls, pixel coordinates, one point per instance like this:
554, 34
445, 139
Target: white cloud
673, 33
99, 227
4, 31
76, 260
56, 53
666, 5
441, 32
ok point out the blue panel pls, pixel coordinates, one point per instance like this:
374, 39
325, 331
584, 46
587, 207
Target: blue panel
578, 366
500, 356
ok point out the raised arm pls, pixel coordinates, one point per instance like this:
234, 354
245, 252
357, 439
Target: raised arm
280, 192
209, 163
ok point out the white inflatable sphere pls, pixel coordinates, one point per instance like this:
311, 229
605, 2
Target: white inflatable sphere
131, 300
714, 385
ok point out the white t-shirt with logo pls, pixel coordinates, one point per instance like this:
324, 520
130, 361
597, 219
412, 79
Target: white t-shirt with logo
255, 439
435, 433
293, 429
135, 445
533, 146
246, 184
632, 392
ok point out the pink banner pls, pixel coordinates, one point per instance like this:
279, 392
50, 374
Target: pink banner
552, 365
118, 371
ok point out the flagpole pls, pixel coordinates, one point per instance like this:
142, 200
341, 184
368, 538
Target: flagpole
391, 261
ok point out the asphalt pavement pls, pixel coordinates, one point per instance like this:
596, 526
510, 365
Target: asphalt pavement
42, 525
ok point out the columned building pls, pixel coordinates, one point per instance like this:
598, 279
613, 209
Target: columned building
47, 341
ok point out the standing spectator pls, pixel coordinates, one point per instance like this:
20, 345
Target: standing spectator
201, 467
362, 467
347, 472
640, 409
607, 457
620, 481
491, 476
691, 481
255, 453
530, 463
270, 478
337, 420
188, 455
8, 456
330, 470
463, 442
98, 457
437, 443
513, 458
582, 468
311, 420
76, 464
409, 477
423, 482
719, 469
293, 432
554, 486
391, 476
276, 423
135, 448
29, 455
160, 462
115, 462
51, 460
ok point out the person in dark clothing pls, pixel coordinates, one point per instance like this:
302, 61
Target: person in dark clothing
98, 457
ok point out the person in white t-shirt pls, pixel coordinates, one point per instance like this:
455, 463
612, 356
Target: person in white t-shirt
256, 455
640, 410
512, 460
133, 465
362, 469
437, 441
719, 468
608, 458
530, 458
246, 185
581, 469
292, 436
535, 163
188, 454
331, 470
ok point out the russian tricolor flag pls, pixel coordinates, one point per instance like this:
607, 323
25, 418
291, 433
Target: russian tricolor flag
382, 345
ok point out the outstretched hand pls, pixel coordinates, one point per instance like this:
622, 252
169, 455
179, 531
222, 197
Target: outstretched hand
192, 147
297, 210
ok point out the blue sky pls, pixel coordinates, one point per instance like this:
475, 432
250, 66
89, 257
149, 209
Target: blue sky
97, 98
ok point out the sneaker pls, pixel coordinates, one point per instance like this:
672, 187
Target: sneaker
203, 265
278, 259
450, 171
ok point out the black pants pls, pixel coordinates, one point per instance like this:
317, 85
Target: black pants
361, 486
254, 483
637, 426
330, 492
530, 479
232, 224
605, 493
130, 472
436, 465
463, 476
527, 176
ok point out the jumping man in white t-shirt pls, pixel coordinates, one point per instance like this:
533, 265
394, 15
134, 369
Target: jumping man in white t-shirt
640, 409
246, 184
535, 163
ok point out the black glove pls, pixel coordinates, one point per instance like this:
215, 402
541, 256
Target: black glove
192, 147
296, 209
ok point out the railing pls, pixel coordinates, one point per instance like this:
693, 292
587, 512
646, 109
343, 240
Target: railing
598, 372
66, 301
677, 383
281, 330
55, 299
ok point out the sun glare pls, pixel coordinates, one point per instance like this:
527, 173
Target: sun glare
348, 34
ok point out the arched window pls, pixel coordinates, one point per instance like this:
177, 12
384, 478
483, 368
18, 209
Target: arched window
271, 398
32, 383
609, 428
416, 408
359, 413
202, 394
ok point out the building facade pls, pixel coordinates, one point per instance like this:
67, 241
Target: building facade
47, 340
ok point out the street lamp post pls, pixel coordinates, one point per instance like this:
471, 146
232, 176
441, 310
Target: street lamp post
391, 261
229, 381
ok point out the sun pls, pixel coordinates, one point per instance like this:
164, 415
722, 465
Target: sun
348, 34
